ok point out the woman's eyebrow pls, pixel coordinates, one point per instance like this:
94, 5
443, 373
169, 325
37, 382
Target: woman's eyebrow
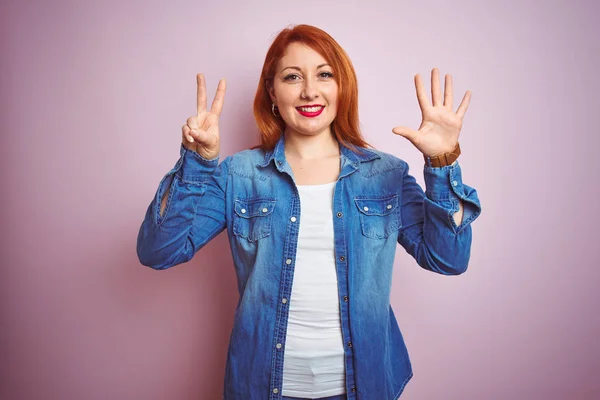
299, 69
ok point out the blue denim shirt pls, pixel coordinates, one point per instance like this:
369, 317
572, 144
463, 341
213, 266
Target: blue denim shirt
376, 204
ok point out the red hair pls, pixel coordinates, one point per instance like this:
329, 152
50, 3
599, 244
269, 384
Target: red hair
345, 126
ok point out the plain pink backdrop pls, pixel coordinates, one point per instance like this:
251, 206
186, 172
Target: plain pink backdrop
93, 97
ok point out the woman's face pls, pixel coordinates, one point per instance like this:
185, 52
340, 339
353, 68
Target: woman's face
303, 78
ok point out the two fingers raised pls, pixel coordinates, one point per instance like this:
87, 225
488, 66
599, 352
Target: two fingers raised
217, 104
193, 128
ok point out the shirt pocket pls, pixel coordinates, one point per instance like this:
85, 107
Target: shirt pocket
379, 215
253, 218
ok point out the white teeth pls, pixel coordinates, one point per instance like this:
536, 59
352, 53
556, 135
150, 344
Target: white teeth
310, 109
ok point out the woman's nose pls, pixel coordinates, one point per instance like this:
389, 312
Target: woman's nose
310, 90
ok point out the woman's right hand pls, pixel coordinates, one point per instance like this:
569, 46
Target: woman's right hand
201, 133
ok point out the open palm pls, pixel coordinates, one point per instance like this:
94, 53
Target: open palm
440, 126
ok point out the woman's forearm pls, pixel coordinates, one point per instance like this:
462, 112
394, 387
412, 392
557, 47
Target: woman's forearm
163, 202
459, 214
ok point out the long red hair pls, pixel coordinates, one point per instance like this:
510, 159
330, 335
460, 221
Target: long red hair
345, 126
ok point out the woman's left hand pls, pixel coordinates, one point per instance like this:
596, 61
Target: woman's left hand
440, 126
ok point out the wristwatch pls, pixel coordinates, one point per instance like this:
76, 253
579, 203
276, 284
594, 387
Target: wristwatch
443, 159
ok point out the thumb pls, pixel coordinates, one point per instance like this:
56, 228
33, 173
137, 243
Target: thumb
406, 132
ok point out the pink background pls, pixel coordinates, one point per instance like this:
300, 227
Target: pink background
93, 98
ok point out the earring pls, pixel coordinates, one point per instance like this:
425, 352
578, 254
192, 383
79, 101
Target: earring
273, 110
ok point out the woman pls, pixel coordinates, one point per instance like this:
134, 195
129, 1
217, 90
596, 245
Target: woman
313, 216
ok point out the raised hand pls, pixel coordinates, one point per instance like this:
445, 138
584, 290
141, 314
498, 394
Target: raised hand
201, 133
440, 126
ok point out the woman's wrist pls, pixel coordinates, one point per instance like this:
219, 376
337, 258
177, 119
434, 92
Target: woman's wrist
444, 159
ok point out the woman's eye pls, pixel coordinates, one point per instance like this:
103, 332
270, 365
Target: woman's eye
295, 77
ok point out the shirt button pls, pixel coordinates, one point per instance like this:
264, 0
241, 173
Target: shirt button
279, 162
275, 390
339, 215
264, 210
389, 206
293, 219
366, 208
454, 183
243, 211
345, 298
284, 300
342, 258
353, 389
288, 261
278, 345
349, 344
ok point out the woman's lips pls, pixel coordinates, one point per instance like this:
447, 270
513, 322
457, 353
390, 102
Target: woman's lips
310, 114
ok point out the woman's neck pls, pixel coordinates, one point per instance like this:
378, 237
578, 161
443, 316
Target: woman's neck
311, 147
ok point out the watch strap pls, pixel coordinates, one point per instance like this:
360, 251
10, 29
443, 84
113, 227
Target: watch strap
443, 159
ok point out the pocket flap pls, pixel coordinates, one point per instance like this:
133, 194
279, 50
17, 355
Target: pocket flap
377, 205
249, 208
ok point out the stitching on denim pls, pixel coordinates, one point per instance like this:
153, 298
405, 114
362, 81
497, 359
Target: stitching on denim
455, 208
203, 161
197, 182
158, 201
408, 238
281, 310
436, 197
376, 198
239, 170
345, 247
388, 228
467, 222
251, 175
403, 386
374, 171
172, 190
469, 219
394, 226
268, 223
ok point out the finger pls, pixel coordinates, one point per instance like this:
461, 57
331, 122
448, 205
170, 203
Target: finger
421, 94
406, 132
201, 100
199, 135
217, 104
448, 93
192, 122
436, 91
185, 130
464, 104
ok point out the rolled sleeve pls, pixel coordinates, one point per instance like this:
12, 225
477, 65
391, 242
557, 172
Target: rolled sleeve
190, 168
429, 232
194, 212
196, 169
444, 186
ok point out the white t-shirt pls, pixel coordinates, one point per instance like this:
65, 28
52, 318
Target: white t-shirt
313, 364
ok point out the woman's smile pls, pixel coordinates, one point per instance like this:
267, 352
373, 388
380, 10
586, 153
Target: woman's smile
311, 110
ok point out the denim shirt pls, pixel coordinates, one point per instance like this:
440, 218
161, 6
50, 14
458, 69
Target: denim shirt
376, 204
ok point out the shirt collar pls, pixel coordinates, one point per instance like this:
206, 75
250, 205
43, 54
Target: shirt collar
351, 156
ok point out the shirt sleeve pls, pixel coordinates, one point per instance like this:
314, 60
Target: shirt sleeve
428, 231
194, 212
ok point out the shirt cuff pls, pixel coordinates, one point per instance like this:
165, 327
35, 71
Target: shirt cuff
196, 169
444, 183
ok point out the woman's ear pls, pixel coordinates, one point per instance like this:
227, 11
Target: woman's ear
271, 91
